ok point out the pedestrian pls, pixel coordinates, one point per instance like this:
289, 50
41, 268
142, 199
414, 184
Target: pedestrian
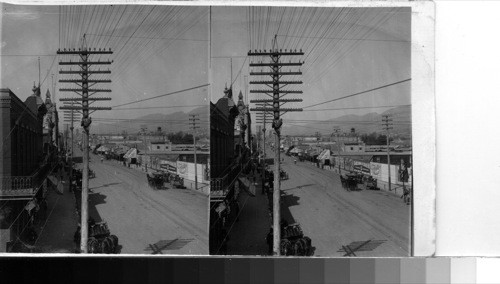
77, 238
269, 241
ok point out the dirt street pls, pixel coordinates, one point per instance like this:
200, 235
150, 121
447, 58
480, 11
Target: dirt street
146, 220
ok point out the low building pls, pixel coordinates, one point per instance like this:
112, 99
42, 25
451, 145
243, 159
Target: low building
353, 147
155, 146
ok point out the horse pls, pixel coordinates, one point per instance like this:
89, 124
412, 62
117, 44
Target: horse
307, 245
344, 182
114, 239
150, 179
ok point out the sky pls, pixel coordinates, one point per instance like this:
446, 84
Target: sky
347, 50
164, 49
157, 50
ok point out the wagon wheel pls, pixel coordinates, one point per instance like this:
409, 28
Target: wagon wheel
93, 245
285, 247
298, 248
114, 239
307, 245
107, 246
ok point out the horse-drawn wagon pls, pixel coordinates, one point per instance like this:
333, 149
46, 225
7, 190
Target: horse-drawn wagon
283, 175
156, 180
293, 242
100, 239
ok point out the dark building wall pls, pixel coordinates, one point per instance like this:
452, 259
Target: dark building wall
221, 141
22, 137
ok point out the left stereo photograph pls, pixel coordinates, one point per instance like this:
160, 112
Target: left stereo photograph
105, 130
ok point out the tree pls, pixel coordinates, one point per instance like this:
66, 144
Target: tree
375, 139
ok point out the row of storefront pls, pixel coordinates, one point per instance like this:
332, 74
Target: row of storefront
372, 164
181, 164
29, 156
230, 140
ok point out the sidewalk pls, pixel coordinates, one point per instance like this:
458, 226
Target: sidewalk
55, 234
248, 235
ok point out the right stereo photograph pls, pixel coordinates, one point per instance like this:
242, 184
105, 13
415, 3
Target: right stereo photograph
311, 131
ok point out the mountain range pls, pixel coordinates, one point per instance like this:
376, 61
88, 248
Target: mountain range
174, 122
368, 123
178, 121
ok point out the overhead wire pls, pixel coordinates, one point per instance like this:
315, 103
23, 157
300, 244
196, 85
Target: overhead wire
360, 93
168, 94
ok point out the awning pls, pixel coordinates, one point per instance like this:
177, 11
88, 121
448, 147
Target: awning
325, 154
296, 150
131, 154
102, 149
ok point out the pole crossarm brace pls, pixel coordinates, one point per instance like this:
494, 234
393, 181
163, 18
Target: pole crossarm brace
276, 73
81, 81
276, 64
275, 109
275, 52
89, 63
279, 82
280, 100
279, 92
80, 99
85, 72
90, 90
82, 108
84, 51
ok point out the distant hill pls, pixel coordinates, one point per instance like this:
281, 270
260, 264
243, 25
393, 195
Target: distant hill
173, 122
368, 123
178, 121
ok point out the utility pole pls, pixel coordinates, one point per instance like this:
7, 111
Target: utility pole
193, 119
262, 117
336, 130
412, 219
71, 116
85, 91
387, 120
56, 114
66, 140
276, 94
